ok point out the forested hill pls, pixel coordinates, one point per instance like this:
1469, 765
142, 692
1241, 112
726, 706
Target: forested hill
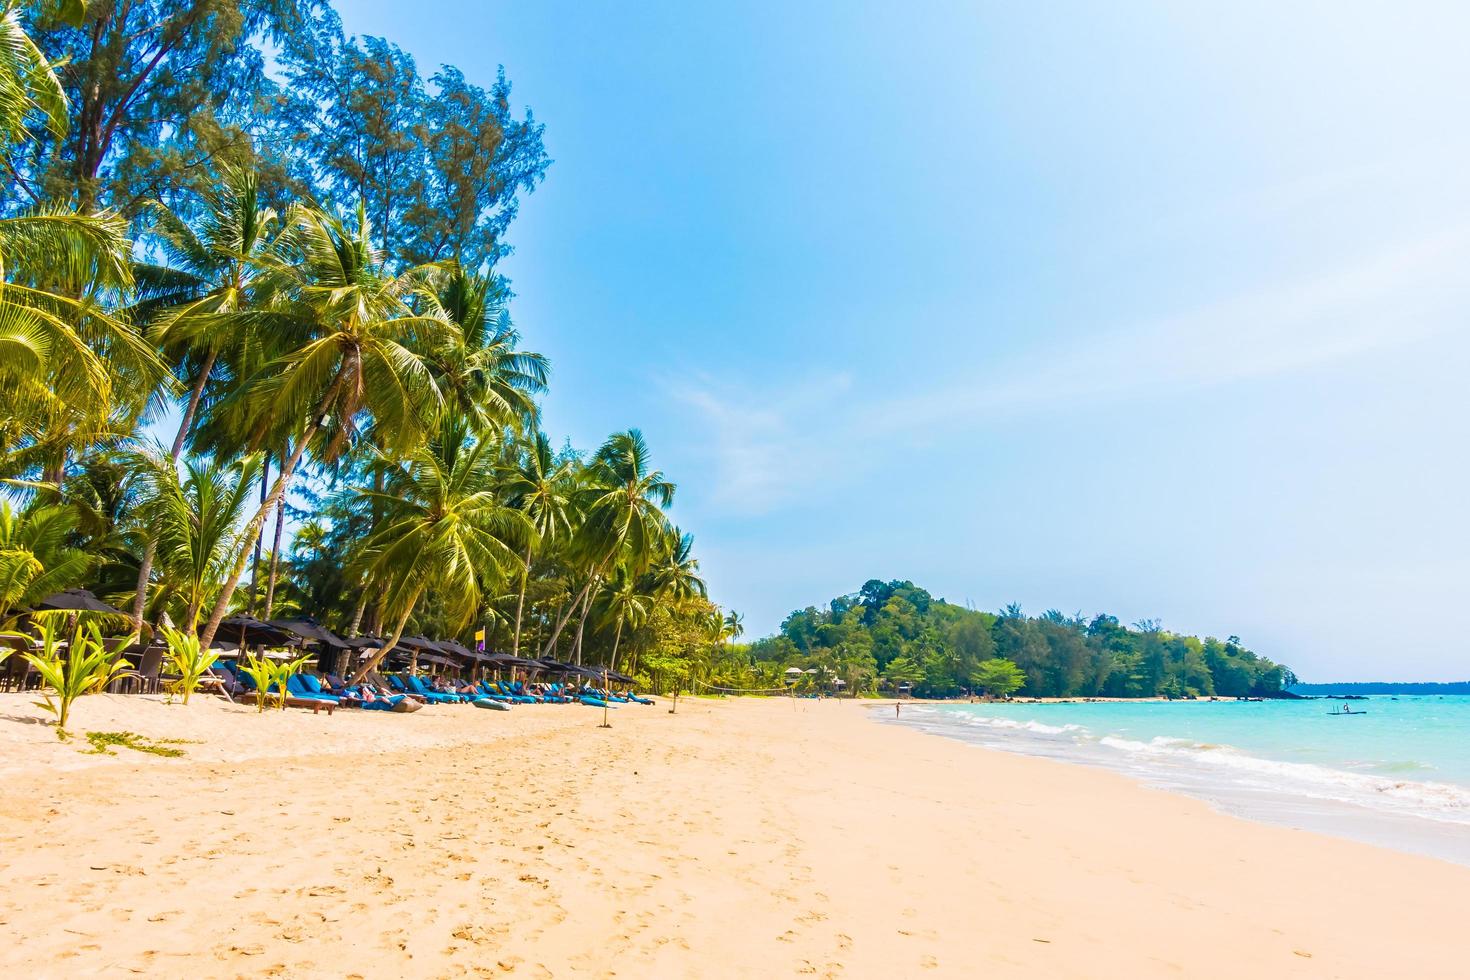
896, 632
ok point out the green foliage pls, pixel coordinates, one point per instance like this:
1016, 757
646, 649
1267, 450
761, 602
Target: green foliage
36, 555
262, 673
85, 668
195, 521
29, 88
187, 658
164, 88
998, 678
902, 669
284, 671
440, 162
271, 678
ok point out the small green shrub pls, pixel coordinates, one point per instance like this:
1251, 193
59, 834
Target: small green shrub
271, 678
187, 658
261, 670
285, 670
87, 668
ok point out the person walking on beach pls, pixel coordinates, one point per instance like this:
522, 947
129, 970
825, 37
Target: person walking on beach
896, 708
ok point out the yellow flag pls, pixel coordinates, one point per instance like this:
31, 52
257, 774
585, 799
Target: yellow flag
480, 638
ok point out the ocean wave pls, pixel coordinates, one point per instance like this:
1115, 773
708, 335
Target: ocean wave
1027, 726
1439, 801
1208, 763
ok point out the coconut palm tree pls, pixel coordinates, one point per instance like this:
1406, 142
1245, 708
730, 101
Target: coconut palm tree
626, 605
674, 571
196, 519
354, 360
445, 529
206, 289
71, 369
482, 375
541, 488
623, 519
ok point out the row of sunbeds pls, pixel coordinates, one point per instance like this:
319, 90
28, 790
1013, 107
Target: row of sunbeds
408, 692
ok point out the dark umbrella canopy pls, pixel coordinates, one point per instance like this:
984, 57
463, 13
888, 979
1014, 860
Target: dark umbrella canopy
557, 667
308, 629
77, 600
458, 649
249, 630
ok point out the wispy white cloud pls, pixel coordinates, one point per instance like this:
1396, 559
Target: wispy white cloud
1388, 299
768, 446
765, 446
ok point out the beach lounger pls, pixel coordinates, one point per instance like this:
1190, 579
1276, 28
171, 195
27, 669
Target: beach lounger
317, 705
417, 686
296, 685
395, 683
509, 692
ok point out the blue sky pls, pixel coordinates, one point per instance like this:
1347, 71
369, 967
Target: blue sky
1154, 309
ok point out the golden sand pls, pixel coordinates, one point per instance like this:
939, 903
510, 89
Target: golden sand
734, 838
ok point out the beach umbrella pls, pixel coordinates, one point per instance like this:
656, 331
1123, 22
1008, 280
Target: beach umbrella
249, 631
77, 600
458, 649
308, 629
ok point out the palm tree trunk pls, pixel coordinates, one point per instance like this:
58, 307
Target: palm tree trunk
150, 550
252, 530
561, 622
270, 583
617, 636
515, 644
195, 395
387, 648
357, 611
265, 478
140, 591
582, 625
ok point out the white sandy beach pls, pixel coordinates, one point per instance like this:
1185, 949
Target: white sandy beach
735, 838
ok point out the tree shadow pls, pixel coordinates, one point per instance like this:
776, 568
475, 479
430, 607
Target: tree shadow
27, 720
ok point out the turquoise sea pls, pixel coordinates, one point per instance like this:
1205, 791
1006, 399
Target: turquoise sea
1395, 774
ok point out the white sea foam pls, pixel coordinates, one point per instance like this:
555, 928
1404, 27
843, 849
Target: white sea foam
1208, 767
1027, 726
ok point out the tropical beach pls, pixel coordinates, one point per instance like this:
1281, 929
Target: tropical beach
749, 490
751, 837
